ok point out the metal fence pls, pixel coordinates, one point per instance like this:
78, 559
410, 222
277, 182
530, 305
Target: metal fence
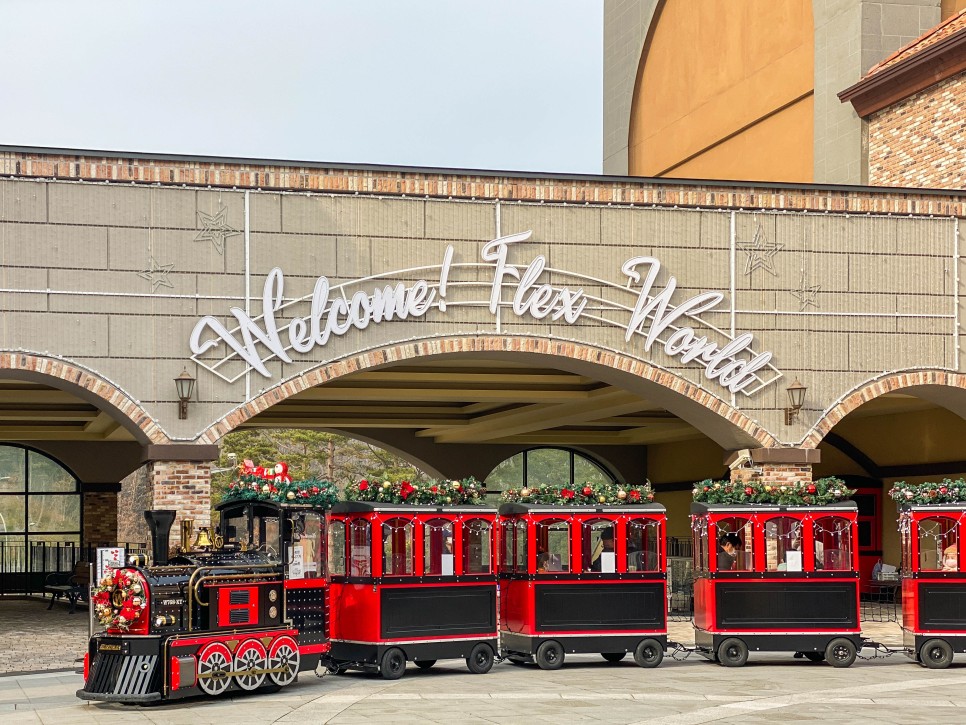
24, 567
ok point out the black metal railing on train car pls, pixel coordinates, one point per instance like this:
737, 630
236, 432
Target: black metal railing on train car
24, 567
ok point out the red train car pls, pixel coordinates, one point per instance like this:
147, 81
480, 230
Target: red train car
411, 582
933, 583
583, 579
776, 578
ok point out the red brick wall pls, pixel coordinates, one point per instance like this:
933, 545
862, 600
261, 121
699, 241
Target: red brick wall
775, 473
100, 518
184, 486
921, 141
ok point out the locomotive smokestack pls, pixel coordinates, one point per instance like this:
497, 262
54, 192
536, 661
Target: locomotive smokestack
160, 524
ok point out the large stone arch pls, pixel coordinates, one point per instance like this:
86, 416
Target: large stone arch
942, 387
708, 413
86, 384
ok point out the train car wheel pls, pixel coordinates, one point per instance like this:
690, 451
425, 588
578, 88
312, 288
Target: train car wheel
649, 653
424, 664
283, 660
733, 653
214, 668
550, 656
936, 654
840, 652
250, 664
480, 660
393, 664
613, 656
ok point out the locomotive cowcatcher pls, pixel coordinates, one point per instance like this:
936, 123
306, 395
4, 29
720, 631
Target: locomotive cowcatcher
776, 578
244, 613
933, 583
579, 578
411, 582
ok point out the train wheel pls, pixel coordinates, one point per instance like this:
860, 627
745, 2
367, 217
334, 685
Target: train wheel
214, 668
250, 664
283, 660
480, 660
936, 654
550, 656
840, 652
393, 664
733, 653
649, 653
424, 664
613, 656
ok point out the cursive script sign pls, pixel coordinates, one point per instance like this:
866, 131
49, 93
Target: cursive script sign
653, 319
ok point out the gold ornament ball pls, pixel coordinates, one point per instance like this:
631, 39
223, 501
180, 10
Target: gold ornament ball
622, 495
524, 491
265, 488
602, 499
290, 495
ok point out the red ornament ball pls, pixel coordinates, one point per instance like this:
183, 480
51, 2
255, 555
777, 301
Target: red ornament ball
811, 488
749, 490
587, 491
363, 485
943, 489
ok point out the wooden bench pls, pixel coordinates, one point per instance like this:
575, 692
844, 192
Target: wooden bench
73, 586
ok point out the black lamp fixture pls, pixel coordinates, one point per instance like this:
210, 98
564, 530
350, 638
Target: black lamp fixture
185, 385
796, 399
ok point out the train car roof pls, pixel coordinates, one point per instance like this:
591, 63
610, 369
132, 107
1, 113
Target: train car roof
363, 507
510, 509
751, 508
961, 506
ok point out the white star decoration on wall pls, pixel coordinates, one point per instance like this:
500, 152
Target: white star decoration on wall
156, 274
760, 252
216, 229
806, 293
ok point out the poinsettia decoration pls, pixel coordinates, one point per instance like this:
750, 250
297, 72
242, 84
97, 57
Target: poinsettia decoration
945, 491
254, 488
800, 493
436, 493
581, 494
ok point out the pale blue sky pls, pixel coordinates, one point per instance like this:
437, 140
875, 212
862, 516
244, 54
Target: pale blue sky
499, 84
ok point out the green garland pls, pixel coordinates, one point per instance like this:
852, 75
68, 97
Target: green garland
817, 493
582, 494
435, 493
945, 491
254, 488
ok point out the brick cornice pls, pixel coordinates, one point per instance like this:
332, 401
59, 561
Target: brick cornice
894, 83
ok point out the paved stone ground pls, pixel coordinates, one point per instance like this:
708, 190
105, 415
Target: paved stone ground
33, 639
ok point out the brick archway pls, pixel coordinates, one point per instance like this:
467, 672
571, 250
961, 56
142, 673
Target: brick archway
78, 380
484, 344
865, 392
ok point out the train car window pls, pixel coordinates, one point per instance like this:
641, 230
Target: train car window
643, 545
337, 548
938, 544
833, 543
508, 528
476, 547
397, 547
438, 558
266, 535
783, 544
598, 546
234, 528
735, 544
699, 531
905, 541
520, 547
553, 546
305, 560
359, 548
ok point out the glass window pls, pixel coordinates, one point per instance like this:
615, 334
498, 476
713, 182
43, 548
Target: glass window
937, 544
234, 528
509, 527
586, 471
520, 547
833, 543
12, 469
905, 536
337, 548
644, 545
438, 548
598, 545
734, 545
265, 532
543, 465
783, 544
548, 464
12, 514
305, 560
476, 547
359, 548
699, 530
553, 546
397, 547
54, 513
46, 476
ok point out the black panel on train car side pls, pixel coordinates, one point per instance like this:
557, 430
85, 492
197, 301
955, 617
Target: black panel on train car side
786, 605
594, 607
942, 606
437, 611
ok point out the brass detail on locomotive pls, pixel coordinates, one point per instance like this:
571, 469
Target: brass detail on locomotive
187, 526
203, 541
272, 595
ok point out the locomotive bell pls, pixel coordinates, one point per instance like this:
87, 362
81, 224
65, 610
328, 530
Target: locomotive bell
204, 539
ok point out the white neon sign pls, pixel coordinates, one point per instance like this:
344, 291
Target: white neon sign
334, 313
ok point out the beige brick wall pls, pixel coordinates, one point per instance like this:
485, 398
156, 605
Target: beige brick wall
921, 141
184, 486
775, 473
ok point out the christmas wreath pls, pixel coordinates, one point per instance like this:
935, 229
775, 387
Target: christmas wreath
800, 493
120, 599
945, 491
436, 493
253, 488
583, 494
